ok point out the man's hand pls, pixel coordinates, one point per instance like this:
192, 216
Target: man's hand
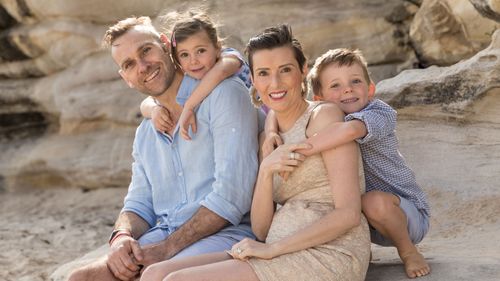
122, 257
153, 253
161, 119
187, 119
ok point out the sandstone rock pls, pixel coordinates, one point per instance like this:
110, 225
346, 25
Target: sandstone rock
20, 115
52, 45
89, 95
323, 25
488, 8
79, 99
449, 92
443, 31
88, 160
92, 10
62, 273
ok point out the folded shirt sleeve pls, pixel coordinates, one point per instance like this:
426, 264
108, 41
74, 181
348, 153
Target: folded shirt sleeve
379, 119
234, 129
139, 197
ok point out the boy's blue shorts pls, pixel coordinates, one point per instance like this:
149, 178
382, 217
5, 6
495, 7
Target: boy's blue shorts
418, 224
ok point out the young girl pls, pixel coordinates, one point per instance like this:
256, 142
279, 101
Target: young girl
196, 48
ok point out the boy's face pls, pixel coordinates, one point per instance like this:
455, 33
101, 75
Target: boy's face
346, 86
197, 54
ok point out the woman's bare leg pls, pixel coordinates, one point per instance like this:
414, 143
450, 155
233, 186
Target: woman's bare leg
229, 270
159, 271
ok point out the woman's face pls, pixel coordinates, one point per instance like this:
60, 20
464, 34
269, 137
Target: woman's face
277, 77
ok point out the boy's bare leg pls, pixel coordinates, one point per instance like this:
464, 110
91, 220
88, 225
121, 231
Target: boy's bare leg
384, 214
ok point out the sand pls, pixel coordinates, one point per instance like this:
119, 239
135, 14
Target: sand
42, 229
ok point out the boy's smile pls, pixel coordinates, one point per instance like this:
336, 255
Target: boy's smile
346, 86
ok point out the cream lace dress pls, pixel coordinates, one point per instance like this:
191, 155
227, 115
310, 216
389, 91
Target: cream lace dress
304, 198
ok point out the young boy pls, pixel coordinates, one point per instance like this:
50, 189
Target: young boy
395, 206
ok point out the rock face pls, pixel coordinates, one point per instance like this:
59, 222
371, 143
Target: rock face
62, 103
68, 119
445, 31
451, 92
489, 9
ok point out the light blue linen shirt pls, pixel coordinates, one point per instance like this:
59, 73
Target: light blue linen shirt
172, 177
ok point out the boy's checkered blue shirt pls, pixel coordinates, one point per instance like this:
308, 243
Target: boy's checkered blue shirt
244, 71
385, 167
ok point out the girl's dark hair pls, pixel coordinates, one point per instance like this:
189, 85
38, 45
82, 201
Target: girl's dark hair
182, 25
274, 37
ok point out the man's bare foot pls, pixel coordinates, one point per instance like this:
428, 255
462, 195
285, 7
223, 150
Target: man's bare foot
415, 264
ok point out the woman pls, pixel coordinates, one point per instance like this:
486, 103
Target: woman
318, 233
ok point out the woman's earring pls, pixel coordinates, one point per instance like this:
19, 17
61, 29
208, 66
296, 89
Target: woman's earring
256, 100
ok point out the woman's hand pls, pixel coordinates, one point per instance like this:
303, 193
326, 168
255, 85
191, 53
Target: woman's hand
187, 118
284, 159
161, 119
248, 248
271, 142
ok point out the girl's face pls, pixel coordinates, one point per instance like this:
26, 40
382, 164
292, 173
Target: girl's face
197, 54
277, 77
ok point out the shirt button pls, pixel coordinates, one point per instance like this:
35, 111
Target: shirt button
179, 174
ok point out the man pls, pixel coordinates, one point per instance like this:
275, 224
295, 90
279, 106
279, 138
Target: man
186, 197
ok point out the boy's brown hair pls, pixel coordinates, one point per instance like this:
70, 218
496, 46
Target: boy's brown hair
121, 27
341, 57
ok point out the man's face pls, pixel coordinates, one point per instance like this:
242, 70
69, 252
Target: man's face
144, 61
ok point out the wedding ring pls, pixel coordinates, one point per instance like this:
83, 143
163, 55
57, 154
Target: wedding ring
292, 155
238, 250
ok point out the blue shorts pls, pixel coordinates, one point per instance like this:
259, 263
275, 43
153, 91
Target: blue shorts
218, 242
417, 221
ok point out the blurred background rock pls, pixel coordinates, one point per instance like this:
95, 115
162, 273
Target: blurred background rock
68, 120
